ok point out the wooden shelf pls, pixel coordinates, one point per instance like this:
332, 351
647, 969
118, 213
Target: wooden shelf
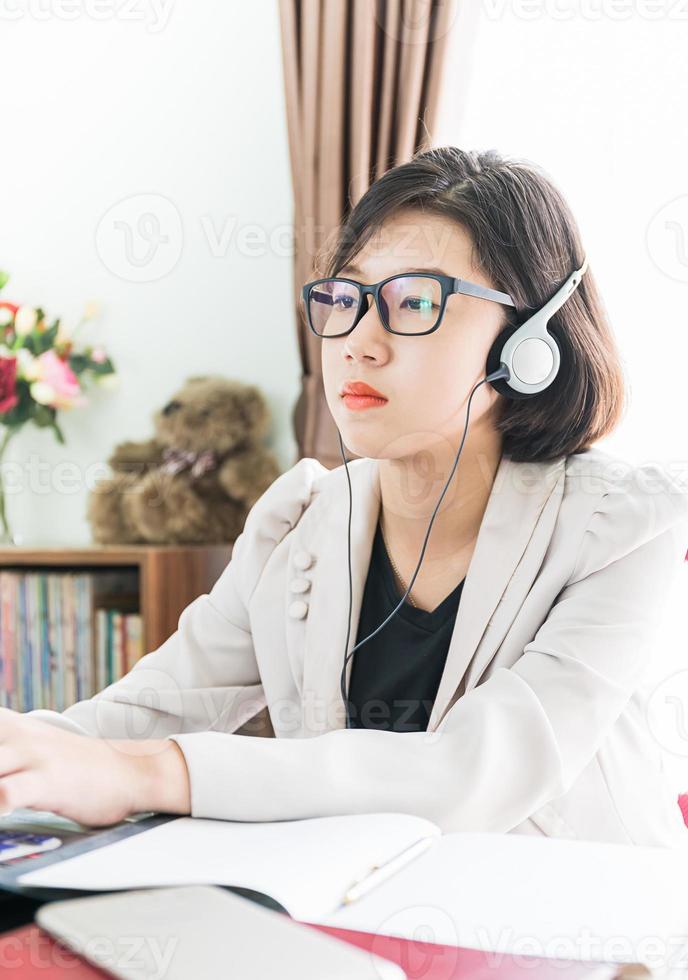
169, 577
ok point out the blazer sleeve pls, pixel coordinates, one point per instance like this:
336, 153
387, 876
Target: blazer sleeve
205, 676
512, 743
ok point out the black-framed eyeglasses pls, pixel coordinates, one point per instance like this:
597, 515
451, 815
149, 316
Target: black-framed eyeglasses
408, 303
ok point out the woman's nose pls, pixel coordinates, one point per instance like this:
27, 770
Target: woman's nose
369, 337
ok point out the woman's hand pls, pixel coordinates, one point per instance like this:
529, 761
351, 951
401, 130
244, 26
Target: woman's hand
91, 780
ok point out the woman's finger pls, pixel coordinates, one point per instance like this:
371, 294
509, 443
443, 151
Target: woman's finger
18, 790
12, 759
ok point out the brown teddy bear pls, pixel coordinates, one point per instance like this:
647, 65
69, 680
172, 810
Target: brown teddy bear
195, 481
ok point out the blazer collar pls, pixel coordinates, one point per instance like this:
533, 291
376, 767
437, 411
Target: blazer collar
514, 533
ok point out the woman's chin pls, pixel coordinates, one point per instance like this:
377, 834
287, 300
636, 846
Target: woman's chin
358, 443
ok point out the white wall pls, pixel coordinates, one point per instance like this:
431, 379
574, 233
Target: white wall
599, 102
176, 110
598, 99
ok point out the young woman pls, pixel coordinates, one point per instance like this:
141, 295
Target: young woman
506, 692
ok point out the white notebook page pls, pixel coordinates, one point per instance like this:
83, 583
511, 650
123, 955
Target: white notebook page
306, 865
554, 897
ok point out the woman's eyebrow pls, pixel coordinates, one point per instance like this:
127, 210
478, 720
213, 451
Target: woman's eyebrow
432, 270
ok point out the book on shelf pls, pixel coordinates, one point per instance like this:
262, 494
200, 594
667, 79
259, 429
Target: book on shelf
66, 635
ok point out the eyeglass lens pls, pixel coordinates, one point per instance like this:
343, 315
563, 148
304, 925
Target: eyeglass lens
409, 304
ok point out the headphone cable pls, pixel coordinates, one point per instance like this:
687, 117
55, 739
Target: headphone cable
502, 372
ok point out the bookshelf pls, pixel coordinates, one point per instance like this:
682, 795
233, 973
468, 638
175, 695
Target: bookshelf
154, 583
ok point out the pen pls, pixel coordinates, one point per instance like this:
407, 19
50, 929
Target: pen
380, 872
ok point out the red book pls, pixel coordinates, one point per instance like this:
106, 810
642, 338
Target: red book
429, 961
34, 955
31, 954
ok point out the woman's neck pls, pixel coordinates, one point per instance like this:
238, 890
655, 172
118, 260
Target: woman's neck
411, 486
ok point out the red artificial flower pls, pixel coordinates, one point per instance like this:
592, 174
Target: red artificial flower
8, 384
10, 306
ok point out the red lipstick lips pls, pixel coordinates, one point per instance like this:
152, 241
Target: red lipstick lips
360, 388
358, 394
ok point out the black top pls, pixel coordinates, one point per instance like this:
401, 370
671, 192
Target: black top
395, 675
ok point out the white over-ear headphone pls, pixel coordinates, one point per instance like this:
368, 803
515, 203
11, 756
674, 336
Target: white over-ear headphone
530, 353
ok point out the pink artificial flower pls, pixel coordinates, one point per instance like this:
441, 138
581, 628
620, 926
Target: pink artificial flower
57, 376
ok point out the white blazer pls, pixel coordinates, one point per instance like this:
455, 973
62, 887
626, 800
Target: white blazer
539, 725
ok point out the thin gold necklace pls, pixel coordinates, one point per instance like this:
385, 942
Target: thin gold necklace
396, 570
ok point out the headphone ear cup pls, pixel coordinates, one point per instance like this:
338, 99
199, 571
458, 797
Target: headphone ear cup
494, 361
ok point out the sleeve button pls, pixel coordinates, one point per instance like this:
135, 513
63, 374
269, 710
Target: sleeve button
303, 560
300, 585
298, 609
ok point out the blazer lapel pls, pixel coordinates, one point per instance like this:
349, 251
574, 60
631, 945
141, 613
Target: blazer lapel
512, 536
506, 536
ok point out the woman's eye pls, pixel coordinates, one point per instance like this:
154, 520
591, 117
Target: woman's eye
419, 304
343, 302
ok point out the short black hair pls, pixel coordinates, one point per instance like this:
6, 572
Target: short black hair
527, 242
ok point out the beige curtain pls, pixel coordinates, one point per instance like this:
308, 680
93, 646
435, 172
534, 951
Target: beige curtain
362, 81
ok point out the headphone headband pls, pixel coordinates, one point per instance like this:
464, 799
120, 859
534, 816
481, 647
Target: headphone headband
561, 295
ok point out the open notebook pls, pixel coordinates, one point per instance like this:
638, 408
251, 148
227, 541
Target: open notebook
504, 892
